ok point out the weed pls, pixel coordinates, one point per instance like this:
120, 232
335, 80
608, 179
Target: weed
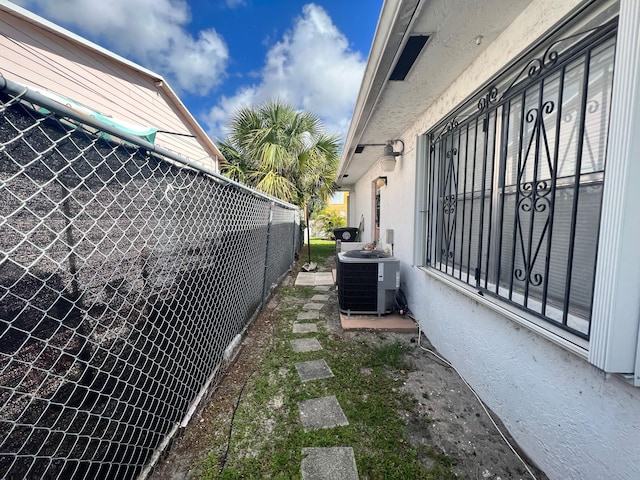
441, 458
391, 355
268, 438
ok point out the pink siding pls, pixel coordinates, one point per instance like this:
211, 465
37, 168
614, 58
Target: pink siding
32, 55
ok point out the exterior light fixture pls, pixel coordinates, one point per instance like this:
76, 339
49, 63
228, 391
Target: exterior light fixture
388, 158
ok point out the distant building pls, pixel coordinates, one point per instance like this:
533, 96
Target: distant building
37, 53
338, 203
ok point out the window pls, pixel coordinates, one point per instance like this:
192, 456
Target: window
515, 181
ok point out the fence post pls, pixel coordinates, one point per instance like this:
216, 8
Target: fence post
266, 257
294, 228
71, 243
116, 251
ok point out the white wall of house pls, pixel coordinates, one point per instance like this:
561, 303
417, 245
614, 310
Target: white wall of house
570, 418
36, 53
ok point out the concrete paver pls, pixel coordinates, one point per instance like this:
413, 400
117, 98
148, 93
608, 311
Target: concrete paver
386, 323
324, 278
322, 288
305, 327
320, 298
310, 279
305, 279
313, 306
305, 345
329, 464
309, 315
313, 370
324, 412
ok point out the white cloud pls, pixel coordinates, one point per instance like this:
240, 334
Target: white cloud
312, 67
151, 32
236, 3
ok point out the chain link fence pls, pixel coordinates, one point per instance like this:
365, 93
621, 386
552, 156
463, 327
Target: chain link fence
125, 276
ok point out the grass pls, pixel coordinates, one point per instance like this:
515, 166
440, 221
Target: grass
268, 437
321, 250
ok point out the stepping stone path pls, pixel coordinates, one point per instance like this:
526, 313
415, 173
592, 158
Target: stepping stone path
300, 345
325, 412
309, 279
305, 327
313, 306
329, 464
313, 370
309, 315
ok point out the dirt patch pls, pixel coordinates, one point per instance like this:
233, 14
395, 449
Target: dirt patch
193, 444
446, 423
449, 419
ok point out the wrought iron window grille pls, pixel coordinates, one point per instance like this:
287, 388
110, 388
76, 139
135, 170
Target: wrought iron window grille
518, 75
512, 173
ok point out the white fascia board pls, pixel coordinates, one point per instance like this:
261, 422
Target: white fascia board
389, 14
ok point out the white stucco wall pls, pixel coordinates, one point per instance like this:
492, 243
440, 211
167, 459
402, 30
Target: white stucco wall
396, 203
572, 420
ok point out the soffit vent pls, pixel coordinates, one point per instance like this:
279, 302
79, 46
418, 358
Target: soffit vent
359, 149
409, 54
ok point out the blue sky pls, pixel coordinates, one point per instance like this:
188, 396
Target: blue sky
222, 54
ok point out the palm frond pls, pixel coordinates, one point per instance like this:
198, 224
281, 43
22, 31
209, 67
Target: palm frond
284, 152
277, 186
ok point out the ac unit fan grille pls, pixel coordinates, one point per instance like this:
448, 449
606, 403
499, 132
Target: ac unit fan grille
358, 287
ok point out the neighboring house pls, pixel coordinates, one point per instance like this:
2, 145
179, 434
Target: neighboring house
338, 203
514, 207
40, 54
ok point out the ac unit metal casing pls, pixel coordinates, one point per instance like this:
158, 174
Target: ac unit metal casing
367, 281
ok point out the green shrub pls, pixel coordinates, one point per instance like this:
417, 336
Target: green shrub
329, 220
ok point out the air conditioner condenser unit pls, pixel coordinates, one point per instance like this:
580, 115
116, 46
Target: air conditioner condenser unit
367, 282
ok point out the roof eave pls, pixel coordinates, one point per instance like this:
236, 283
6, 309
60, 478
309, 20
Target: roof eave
159, 81
394, 21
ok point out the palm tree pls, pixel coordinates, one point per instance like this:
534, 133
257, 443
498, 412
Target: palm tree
282, 152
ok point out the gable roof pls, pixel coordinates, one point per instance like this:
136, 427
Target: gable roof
115, 66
